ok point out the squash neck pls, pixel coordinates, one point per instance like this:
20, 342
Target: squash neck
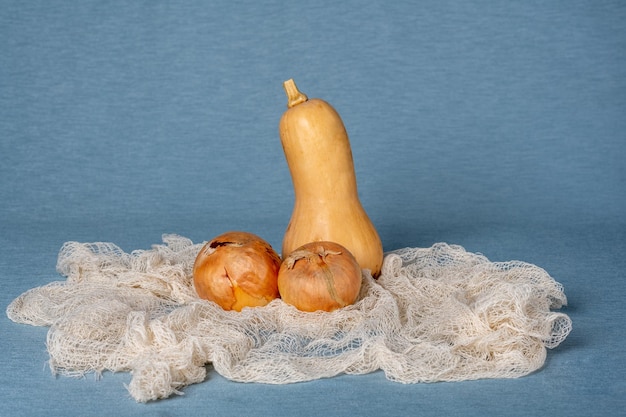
316, 194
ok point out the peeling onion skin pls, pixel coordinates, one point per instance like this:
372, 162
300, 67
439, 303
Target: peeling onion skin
319, 276
236, 270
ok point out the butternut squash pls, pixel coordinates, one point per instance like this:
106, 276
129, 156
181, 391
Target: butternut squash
327, 205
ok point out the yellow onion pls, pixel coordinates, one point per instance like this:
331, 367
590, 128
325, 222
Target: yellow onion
319, 276
237, 270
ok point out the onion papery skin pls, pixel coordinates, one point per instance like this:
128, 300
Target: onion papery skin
236, 270
320, 276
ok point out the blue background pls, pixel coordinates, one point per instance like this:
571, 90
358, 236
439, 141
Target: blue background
499, 126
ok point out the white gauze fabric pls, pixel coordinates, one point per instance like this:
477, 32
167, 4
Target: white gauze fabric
434, 314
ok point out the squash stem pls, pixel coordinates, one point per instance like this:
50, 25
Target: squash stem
294, 96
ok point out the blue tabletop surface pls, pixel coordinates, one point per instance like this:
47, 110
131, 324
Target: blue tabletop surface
498, 126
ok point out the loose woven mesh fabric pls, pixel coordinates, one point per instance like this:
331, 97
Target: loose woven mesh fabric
434, 314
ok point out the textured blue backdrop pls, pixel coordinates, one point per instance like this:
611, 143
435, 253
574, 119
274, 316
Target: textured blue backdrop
499, 126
